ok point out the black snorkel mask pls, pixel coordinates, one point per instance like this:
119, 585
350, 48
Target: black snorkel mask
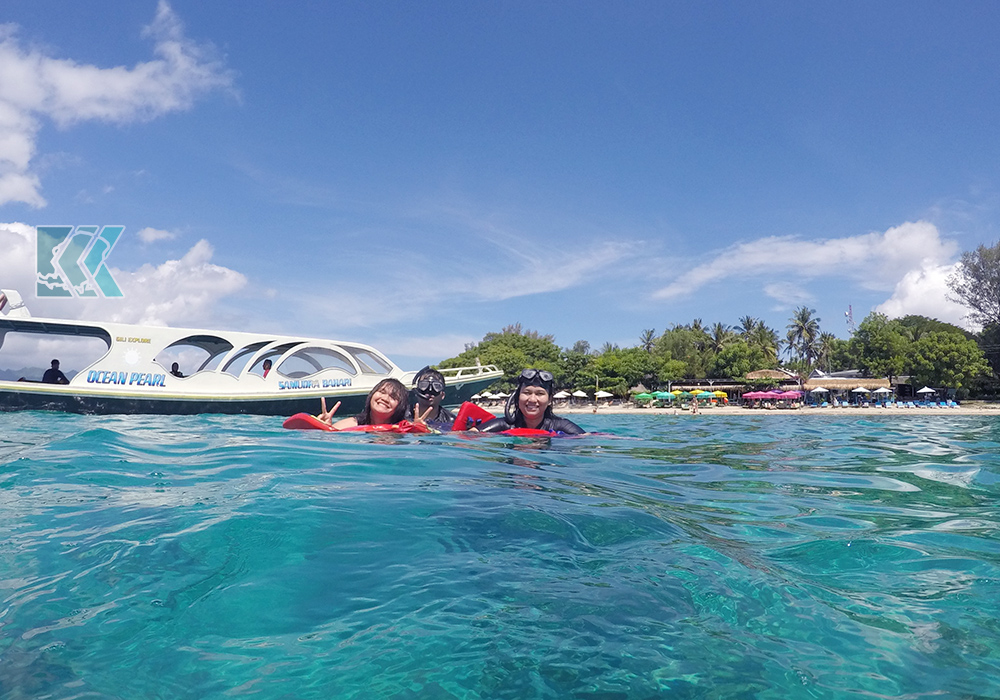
428, 387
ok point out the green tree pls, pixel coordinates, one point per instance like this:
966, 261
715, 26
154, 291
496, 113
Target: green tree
619, 370
941, 359
577, 369
685, 344
738, 358
511, 350
976, 284
879, 346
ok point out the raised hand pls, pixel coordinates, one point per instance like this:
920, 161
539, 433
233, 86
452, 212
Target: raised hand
421, 419
327, 416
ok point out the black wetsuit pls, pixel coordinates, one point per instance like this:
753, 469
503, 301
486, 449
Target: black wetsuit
553, 424
443, 416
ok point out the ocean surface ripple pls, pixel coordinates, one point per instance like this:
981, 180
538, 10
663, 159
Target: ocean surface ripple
775, 556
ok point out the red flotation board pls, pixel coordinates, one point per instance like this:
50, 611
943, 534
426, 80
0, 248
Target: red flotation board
469, 416
304, 421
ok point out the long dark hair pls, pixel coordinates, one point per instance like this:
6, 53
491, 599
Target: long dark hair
398, 392
512, 411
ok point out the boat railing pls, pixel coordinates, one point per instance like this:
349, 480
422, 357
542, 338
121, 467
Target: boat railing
468, 372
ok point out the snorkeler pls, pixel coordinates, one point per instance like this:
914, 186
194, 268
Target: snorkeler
530, 406
385, 405
428, 389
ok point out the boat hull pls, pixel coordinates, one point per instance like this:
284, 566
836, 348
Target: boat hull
30, 396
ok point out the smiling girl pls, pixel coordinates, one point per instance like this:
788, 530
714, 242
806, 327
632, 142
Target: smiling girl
531, 407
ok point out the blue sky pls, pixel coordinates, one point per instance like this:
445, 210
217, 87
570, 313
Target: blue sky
414, 175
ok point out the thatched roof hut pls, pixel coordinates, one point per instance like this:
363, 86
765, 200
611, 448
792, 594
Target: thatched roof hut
779, 374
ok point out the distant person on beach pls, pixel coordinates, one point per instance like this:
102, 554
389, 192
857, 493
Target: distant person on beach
428, 390
175, 370
530, 406
385, 405
53, 375
267, 367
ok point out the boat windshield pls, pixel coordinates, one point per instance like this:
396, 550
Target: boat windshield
311, 360
369, 362
28, 354
194, 354
240, 359
272, 355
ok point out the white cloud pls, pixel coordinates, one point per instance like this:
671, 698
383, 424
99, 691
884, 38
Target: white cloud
182, 292
874, 260
151, 235
788, 293
34, 86
925, 292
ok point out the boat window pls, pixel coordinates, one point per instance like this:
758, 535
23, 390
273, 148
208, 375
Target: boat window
194, 354
28, 355
311, 360
239, 361
272, 355
370, 362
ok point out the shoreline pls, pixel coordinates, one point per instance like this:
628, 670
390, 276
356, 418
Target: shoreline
976, 409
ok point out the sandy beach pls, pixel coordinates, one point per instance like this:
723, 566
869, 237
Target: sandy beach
972, 408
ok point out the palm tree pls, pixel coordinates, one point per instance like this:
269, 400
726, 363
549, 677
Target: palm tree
720, 336
700, 334
824, 350
766, 339
647, 339
747, 324
803, 333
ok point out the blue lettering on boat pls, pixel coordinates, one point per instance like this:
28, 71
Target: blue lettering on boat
312, 383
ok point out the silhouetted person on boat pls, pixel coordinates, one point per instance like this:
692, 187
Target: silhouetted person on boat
267, 367
175, 370
53, 375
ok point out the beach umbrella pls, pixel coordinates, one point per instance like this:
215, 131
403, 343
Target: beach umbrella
819, 390
580, 394
791, 395
683, 394
561, 395
677, 392
645, 397
664, 395
883, 390
501, 395
603, 394
926, 390
860, 390
704, 394
720, 394
476, 397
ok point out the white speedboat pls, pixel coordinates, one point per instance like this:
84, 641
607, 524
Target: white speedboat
127, 369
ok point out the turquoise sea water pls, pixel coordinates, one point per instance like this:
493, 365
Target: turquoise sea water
770, 557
